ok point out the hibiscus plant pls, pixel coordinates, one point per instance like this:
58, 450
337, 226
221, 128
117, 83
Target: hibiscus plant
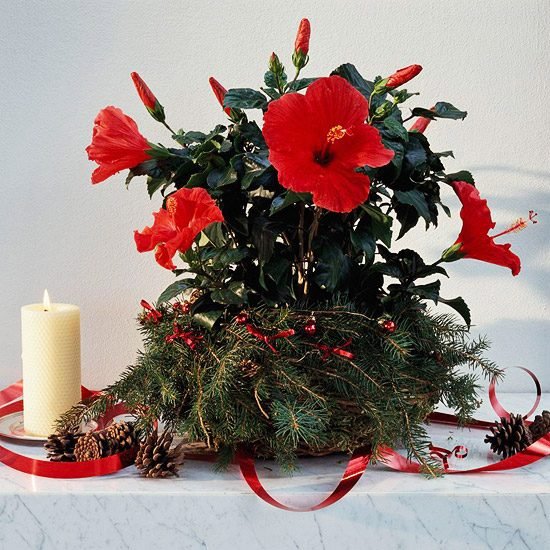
300, 214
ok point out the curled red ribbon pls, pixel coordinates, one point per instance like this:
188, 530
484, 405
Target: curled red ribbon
500, 410
189, 337
154, 315
10, 402
267, 339
327, 351
459, 451
354, 470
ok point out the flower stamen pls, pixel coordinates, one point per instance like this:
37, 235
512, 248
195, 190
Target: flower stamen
171, 205
335, 133
519, 225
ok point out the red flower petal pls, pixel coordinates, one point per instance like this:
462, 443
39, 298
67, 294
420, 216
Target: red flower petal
317, 141
187, 213
477, 222
116, 144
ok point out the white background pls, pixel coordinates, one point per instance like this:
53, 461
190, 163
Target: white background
60, 62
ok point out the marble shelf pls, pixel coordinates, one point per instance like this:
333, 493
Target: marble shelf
205, 509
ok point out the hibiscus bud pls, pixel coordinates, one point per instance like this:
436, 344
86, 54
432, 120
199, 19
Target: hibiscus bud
275, 65
402, 76
219, 92
156, 110
398, 78
421, 123
301, 45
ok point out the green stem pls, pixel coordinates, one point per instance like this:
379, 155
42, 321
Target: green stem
169, 129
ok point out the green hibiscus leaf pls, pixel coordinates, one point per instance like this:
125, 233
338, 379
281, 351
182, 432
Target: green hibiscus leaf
460, 306
244, 98
175, 289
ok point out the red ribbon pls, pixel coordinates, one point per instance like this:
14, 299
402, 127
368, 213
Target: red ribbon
10, 402
267, 339
327, 351
500, 410
154, 315
354, 470
189, 337
459, 451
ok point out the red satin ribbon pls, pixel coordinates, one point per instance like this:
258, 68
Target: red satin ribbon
500, 410
10, 402
354, 470
327, 351
359, 461
266, 339
154, 315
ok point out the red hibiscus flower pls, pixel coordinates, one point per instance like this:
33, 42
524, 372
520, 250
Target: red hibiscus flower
473, 240
187, 213
219, 92
116, 144
402, 76
317, 141
156, 110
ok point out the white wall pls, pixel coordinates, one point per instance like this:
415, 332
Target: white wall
61, 61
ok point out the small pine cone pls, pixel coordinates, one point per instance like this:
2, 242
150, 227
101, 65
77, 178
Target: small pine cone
249, 368
88, 447
60, 446
120, 436
540, 425
509, 437
156, 458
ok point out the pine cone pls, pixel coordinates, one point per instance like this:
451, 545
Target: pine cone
90, 447
540, 425
509, 436
249, 368
60, 446
155, 458
121, 436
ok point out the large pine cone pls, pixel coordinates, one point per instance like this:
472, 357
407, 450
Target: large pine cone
121, 436
509, 436
91, 446
156, 456
540, 425
60, 446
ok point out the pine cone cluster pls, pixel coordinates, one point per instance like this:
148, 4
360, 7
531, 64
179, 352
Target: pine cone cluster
80, 447
509, 437
157, 458
60, 446
540, 425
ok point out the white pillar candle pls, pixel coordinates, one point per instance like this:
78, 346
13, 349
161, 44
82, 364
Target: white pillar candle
51, 363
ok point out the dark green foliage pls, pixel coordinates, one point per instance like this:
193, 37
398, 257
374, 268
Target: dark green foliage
301, 397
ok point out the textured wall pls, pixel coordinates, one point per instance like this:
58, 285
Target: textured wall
60, 62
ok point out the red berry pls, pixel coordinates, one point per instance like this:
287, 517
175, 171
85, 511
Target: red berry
310, 328
241, 318
389, 326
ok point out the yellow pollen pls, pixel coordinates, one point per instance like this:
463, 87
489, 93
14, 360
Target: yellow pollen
336, 133
171, 204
